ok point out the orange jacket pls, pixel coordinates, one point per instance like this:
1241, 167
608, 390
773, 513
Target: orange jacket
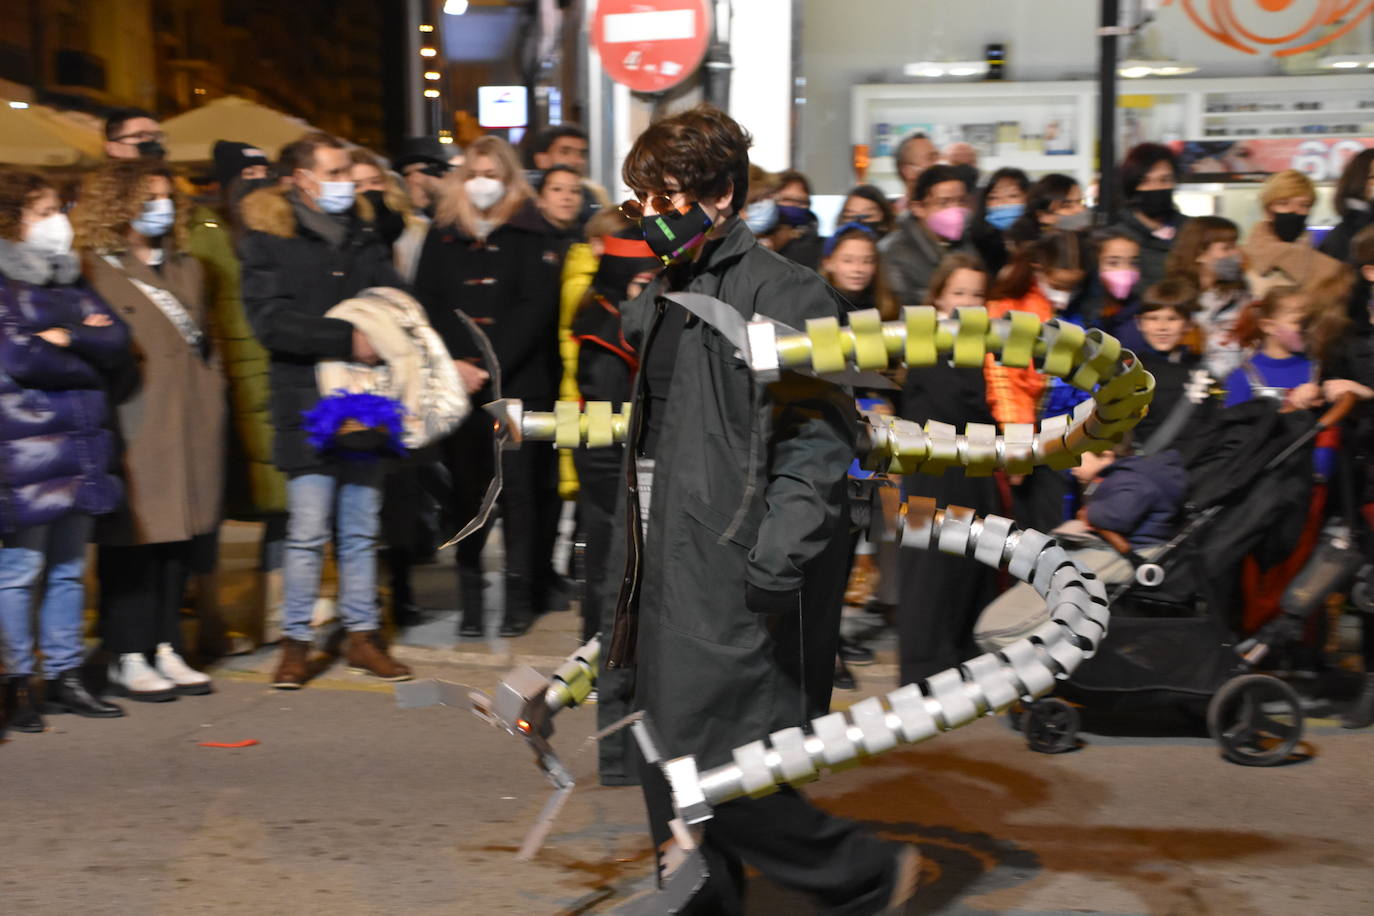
1015, 395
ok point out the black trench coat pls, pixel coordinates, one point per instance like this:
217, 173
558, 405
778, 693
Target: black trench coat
749, 487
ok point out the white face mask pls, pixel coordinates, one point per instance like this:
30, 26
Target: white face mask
484, 192
51, 235
1059, 298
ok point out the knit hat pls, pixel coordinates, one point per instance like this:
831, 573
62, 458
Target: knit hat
232, 158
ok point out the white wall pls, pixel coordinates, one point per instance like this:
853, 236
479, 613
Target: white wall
761, 84
846, 42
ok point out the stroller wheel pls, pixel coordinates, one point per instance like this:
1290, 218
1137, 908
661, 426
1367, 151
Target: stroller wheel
1256, 720
1050, 726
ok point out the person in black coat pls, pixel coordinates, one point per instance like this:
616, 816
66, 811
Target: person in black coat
935, 633
726, 605
489, 256
1354, 200
307, 248
1148, 176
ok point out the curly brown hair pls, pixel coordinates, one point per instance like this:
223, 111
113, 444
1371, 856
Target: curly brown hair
112, 196
17, 190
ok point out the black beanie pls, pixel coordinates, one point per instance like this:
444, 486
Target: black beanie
232, 158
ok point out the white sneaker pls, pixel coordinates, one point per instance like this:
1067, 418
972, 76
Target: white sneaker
134, 677
188, 681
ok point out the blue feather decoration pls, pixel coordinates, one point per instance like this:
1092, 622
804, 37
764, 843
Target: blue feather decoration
372, 411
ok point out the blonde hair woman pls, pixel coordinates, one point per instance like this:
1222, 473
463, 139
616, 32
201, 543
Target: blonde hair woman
401, 226
490, 256
170, 414
1279, 251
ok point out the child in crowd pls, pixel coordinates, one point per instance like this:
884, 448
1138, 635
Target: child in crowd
935, 635
1182, 386
1278, 327
851, 264
1205, 253
1117, 287
1042, 279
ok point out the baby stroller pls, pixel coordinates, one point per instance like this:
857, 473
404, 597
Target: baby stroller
1174, 622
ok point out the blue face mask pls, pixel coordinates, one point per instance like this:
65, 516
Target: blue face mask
761, 215
157, 218
1003, 215
335, 196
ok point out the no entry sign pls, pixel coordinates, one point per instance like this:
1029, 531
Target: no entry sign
651, 45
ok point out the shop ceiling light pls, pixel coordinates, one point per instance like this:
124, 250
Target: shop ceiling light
1135, 68
455, 7
1347, 62
932, 69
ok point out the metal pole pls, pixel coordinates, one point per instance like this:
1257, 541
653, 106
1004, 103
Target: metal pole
417, 112
1108, 32
718, 63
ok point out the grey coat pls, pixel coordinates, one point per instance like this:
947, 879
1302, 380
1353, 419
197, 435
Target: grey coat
749, 490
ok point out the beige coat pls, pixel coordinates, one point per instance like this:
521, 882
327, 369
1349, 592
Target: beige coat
171, 408
1271, 262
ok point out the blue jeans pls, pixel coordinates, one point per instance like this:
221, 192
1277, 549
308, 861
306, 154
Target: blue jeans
344, 501
60, 548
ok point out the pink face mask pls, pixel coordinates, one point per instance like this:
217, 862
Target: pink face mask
948, 223
1120, 281
1291, 339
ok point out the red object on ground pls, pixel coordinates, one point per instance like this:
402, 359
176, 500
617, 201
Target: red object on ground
249, 743
651, 45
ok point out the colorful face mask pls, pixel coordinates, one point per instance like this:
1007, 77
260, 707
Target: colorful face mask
1003, 215
948, 223
674, 235
1120, 281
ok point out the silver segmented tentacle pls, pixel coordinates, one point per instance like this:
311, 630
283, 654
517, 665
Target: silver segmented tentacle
913, 713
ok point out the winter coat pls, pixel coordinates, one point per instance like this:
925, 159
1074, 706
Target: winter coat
56, 447
1139, 497
748, 500
1336, 244
1178, 374
579, 267
254, 488
292, 275
1270, 261
606, 363
170, 407
1154, 251
508, 286
911, 253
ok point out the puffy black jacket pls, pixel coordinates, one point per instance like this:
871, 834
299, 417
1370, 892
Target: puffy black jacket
292, 275
56, 446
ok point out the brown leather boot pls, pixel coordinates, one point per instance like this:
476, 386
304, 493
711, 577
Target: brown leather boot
293, 668
365, 655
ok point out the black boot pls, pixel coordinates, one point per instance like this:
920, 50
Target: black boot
1361, 712
67, 693
21, 706
470, 597
519, 616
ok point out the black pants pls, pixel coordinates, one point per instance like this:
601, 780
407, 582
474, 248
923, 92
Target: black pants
140, 595
599, 480
791, 842
529, 509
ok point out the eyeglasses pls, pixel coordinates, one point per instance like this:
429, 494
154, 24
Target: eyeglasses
633, 209
143, 136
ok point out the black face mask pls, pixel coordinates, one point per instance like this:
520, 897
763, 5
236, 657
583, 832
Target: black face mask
673, 236
1158, 204
1289, 227
151, 149
389, 223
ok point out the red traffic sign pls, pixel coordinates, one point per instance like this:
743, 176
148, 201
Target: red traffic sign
651, 45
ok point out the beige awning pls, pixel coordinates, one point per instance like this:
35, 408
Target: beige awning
40, 136
192, 134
